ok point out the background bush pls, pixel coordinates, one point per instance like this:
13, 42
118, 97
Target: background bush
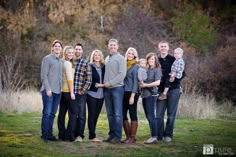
193, 27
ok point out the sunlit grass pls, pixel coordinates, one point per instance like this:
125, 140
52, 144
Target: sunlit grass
20, 136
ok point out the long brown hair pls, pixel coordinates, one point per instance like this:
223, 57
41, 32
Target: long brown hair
151, 54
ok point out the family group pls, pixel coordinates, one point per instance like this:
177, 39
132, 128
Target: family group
72, 81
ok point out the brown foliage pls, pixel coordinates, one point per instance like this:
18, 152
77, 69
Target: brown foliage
214, 74
139, 29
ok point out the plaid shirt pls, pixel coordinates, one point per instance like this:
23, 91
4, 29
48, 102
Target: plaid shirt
83, 76
178, 67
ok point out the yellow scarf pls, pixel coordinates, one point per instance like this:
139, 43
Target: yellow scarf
130, 63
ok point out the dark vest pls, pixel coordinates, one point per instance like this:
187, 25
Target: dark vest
96, 78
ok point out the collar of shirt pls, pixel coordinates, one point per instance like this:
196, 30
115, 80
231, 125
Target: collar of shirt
54, 56
113, 54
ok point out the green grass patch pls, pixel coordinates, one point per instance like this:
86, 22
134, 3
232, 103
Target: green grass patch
20, 136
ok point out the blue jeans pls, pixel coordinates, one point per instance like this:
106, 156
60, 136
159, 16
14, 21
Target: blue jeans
171, 105
113, 100
50, 105
94, 109
81, 114
149, 104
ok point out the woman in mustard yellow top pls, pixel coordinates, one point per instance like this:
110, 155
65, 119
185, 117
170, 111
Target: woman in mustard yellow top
68, 98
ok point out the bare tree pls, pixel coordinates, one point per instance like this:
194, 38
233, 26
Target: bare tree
11, 74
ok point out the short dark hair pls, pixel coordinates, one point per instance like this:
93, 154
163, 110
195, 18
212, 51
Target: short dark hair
78, 44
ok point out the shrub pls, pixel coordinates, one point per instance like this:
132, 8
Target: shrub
192, 26
213, 74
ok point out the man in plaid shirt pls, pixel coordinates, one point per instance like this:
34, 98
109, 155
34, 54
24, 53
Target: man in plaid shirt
82, 82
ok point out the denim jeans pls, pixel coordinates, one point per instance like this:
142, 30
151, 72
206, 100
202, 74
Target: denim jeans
50, 105
94, 109
113, 101
131, 108
149, 104
67, 104
81, 114
171, 105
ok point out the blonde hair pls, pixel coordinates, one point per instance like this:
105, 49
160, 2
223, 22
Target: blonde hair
113, 40
135, 53
142, 60
100, 54
151, 54
65, 50
181, 51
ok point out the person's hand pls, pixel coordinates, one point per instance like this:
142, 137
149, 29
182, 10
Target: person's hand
172, 79
106, 85
72, 96
99, 85
49, 93
172, 75
81, 92
142, 84
131, 100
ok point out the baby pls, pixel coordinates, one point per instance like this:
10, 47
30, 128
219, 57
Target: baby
142, 71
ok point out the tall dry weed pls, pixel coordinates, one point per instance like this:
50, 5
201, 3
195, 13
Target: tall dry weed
191, 105
194, 105
21, 101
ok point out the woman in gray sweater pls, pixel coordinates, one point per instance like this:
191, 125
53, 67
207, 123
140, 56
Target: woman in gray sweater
149, 101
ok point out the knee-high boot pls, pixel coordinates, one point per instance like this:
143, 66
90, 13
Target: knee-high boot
134, 127
127, 130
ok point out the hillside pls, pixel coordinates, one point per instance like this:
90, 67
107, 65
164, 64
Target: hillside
203, 29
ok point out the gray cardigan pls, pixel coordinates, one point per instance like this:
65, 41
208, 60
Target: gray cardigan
115, 70
131, 79
51, 74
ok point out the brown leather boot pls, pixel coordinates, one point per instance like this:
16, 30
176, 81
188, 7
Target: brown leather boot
127, 130
134, 127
